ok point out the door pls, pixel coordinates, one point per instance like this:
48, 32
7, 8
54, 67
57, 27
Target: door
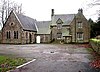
38, 39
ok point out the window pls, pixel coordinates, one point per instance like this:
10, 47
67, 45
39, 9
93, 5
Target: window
59, 26
15, 34
79, 24
12, 24
59, 35
79, 36
26, 35
8, 34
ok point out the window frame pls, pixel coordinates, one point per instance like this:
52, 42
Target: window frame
59, 35
80, 36
8, 35
59, 26
80, 24
15, 34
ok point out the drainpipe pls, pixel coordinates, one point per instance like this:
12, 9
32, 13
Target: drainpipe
75, 28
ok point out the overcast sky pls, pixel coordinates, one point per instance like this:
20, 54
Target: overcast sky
41, 9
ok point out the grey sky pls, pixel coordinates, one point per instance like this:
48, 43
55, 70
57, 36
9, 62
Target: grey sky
41, 9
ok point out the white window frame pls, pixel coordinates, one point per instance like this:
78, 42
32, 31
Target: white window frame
79, 24
79, 36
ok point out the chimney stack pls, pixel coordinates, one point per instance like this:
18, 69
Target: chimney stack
80, 11
52, 12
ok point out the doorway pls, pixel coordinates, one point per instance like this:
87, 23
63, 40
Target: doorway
38, 39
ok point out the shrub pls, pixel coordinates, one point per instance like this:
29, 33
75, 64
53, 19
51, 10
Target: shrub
95, 43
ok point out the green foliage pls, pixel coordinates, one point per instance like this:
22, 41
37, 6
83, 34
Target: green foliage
8, 63
89, 50
92, 27
96, 41
95, 45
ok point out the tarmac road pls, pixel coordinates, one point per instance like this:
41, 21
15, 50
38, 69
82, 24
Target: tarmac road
51, 57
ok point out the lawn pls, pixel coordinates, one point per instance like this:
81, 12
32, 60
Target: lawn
8, 63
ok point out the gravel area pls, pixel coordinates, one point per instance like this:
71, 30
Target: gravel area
51, 57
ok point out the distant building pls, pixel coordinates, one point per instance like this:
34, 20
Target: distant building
62, 27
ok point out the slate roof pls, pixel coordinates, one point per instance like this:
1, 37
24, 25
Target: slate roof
43, 27
65, 32
27, 22
66, 18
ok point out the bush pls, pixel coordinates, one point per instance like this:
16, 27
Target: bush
95, 43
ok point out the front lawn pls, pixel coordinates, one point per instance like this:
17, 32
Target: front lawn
8, 63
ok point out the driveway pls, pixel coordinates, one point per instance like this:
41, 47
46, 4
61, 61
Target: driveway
51, 57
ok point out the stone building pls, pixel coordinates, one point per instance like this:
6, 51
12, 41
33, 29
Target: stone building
43, 30
62, 27
70, 27
19, 29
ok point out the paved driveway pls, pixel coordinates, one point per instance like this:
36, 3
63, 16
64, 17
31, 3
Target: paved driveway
51, 58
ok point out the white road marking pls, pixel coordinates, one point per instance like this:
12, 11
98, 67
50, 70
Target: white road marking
26, 63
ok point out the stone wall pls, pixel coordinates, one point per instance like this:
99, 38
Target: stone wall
85, 28
54, 32
44, 38
73, 32
12, 25
28, 37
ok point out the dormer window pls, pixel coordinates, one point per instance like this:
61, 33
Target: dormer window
59, 23
59, 26
79, 24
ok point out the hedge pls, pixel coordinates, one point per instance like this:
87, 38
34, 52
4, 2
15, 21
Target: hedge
95, 43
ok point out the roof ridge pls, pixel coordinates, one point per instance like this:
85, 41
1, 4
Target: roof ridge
25, 16
65, 14
43, 21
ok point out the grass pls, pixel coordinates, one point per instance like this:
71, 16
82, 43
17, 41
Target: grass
89, 50
8, 63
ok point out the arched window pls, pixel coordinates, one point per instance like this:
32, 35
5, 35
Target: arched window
15, 34
8, 34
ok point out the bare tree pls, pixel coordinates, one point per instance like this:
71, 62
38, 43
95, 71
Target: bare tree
94, 3
6, 6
